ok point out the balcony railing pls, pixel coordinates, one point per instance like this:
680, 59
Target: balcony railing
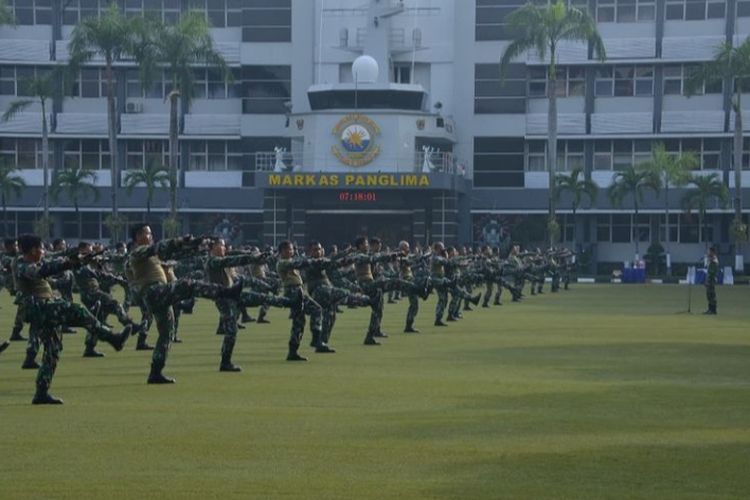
437, 162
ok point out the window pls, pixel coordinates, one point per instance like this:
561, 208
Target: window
167, 11
493, 95
743, 8
571, 81
620, 154
265, 20
623, 228
745, 153
266, 89
90, 83
14, 79
402, 73
676, 77
157, 89
141, 153
490, 18
707, 151
216, 155
567, 228
210, 84
683, 228
569, 155
695, 10
22, 153
220, 13
625, 11
498, 162
30, 12
624, 81
75, 11
92, 154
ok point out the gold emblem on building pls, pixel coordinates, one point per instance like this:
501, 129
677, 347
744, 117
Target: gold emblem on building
356, 140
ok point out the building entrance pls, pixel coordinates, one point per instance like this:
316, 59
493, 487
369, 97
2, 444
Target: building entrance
341, 227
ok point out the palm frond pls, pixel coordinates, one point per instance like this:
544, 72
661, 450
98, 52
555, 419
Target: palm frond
16, 107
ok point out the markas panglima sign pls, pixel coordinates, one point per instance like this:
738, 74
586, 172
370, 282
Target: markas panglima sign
348, 181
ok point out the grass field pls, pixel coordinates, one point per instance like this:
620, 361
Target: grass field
600, 392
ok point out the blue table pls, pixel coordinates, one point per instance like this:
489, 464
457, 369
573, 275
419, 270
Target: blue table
634, 275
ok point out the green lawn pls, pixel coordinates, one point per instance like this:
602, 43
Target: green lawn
600, 392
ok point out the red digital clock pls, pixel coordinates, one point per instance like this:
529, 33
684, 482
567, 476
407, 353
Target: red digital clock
358, 196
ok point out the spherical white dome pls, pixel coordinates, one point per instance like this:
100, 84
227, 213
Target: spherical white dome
365, 69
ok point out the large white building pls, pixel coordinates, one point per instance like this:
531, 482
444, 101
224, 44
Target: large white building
351, 146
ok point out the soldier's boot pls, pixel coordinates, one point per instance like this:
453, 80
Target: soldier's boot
240, 326
293, 355
474, 300
30, 363
262, 317
380, 334
187, 306
497, 301
226, 356
410, 328
118, 341
315, 340
439, 322
451, 318
4, 345
91, 352
324, 348
228, 366
157, 377
16, 336
42, 397
142, 345
246, 318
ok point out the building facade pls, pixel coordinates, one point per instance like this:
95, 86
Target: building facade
433, 145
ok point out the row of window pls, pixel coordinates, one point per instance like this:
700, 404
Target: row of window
491, 14
261, 20
627, 228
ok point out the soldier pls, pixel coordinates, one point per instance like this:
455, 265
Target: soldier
99, 303
8, 258
321, 289
151, 286
219, 270
406, 261
363, 264
441, 284
288, 267
457, 279
489, 273
47, 313
712, 273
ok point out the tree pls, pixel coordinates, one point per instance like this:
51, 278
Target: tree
111, 35
671, 170
10, 185
543, 28
6, 16
578, 186
177, 49
153, 175
42, 89
632, 182
78, 185
706, 188
730, 66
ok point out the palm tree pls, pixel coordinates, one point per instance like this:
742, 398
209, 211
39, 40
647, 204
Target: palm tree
152, 176
78, 185
42, 89
10, 185
706, 189
543, 28
632, 182
578, 187
178, 49
111, 35
671, 170
731, 66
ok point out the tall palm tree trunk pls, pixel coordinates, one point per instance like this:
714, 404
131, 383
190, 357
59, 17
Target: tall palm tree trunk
79, 216
112, 126
173, 139
666, 224
5, 218
552, 139
45, 168
634, 229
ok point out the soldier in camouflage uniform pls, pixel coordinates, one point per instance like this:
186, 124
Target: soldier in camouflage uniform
152, 287
712, 274
8, 258
288, 267
489, 272
439, 280
99, 303
219, 270
47, 313
321, 289
406, 261
259, 280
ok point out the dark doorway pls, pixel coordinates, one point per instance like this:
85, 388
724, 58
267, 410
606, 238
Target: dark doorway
342, 227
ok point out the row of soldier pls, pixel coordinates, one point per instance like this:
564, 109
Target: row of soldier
163, 279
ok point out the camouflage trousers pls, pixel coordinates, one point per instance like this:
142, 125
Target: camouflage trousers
47, 316
101, 305
489, 284
329, 297
555, 282
303, 305
711, 297
160, 299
